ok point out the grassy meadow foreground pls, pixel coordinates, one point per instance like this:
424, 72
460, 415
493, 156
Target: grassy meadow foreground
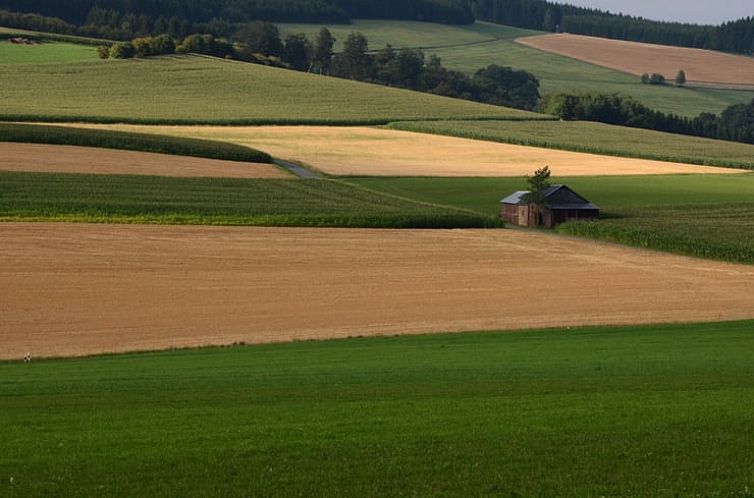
658, 411
71, 289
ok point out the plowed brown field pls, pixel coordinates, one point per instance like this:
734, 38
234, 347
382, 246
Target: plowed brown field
701, 66
73, 289
379, 152
74, 159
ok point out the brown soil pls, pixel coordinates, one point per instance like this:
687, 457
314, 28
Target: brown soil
75, 289
703, 66
74, 159
380, 152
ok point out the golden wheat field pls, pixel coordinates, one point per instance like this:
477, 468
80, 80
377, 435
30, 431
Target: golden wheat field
75, 289
365, 151
701, 66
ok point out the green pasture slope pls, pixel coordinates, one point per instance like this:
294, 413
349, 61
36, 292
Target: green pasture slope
203, 90
57, 53
710, 216
65, 135
468, 48
657, 411
6, 33
596, 138
215, 201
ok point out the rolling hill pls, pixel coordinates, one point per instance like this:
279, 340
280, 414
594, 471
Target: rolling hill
468, 48
194, 89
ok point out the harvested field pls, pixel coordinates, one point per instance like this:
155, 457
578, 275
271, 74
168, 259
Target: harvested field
701, 66
83, 289
364, 151
74, 159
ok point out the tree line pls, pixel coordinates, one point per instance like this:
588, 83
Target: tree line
735, 36
79, 12
409, 68
261, 42
736, 123
402, 68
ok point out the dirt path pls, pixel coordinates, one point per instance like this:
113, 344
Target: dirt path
703, 66
73, 289
75, 159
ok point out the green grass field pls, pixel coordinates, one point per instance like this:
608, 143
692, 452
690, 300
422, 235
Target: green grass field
596, 138
412, 34
192, 89
6, 33
64, 135
658, 411
58, 53
710, 216
468, 48
205, 201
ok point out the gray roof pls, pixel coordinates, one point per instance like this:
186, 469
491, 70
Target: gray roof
515, 197
576, 207
519, 198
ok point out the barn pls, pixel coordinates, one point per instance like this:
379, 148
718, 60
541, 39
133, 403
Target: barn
561, 204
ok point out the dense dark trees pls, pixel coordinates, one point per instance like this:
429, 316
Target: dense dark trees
736, 123
736, 36
408, 68
78, 12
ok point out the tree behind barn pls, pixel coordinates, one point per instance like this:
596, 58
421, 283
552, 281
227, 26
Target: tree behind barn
538, 185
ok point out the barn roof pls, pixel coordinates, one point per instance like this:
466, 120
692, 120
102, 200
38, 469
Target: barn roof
515, 197
519, 198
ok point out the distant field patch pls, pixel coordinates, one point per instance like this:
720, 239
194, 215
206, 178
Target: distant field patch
701, 66
411, 34
382, 152
197, 286
75, 159
596, 138
59, 53
193, 89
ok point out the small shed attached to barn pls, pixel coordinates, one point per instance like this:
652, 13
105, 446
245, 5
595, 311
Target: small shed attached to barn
561, 204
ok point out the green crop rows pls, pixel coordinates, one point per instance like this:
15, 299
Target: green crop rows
207, 201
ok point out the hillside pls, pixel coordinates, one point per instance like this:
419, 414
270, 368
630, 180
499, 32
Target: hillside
469, 48
193, 89
704, 67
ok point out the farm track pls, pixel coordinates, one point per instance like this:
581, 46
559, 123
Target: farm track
363, 151
77, 289
704, 67
75, 159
